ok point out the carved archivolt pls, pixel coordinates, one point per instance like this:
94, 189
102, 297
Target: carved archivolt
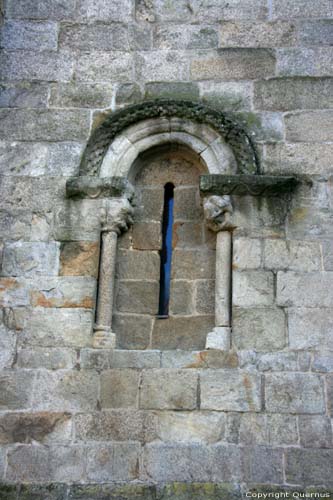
232, 133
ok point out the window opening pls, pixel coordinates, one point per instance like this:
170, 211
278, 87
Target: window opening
166, 252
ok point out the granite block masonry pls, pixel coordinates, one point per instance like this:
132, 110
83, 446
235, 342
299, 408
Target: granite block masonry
99, 397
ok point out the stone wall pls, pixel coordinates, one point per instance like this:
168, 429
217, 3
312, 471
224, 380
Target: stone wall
78, 422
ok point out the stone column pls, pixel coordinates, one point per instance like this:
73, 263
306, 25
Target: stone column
218, 210
115, 219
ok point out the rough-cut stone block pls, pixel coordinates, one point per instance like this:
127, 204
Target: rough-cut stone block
134, 359
17, 224
203, 359
187, 204
187, 234
57, 327
285, 9
113, 462
99, 37
292, 255
253, 288
185, 37
309, 467
30, 427
277, 361
29, 36
304, 289
162, 66
147, 236
23, 95
75, 291
193, 264
238, 64
133, 331
135, 296
229, 96
300, 126
104, 490
102, 10
51, 491
181, 297
29, 65
246, 428
169, 390
16, 389
187, 332
322, 363
13, 292
315, 431
119, 388
66, 390
171, 90
263, 465
294, 393
149, 204
7, 346
24, 159
51, 359
310, 328
259, 329
201, 427
104, 67
305, 62
305, 158
230, 390
246, 253
71, 95
282, 430
116, 425
128, 93
30, 259
205, 297
79, 258
41, 9
249, 34
316, 32
133, 264
283, 94
95, 359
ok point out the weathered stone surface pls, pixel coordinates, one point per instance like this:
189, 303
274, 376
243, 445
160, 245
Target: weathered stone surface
48, 327
29, 65
69, 95
161, 66
138, 265
305, 158
101, 491
100, 37
16, 389
315, 431
316, 32
75, 291
250, 34
43, 492
205, 297
149, 204
284, 94
282, 430
279, 361
302, 8
194, 264
181, 297
40, 9
134, 359
322, 363
79, 258
252, 288
23, 95
133, 330
116, 425
292, 255
104, 67
229, 390
30, 427
181, 37
168, 390
113, 462
293, 289
29, 36
7, 345
119, 388
304, 62
300, 126
247, 428
134, 296
201, 427
229, 96
238, 64
259, 329
310, 328
102, 10
51, 359
246, 253
294, 393
311, 467
30, 259
169, 90
202, 359
147, 236
13, 292
66, 390
187, 332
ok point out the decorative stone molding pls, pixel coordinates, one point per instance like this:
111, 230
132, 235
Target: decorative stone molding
223, 124
97, 187
244, 185
218, 211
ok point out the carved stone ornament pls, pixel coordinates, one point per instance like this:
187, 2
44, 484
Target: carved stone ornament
117, 217
218, 211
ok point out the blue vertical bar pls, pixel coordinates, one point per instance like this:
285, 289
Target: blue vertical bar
166, 252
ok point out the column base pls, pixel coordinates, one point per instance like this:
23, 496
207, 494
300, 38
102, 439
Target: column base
219, 338
103, 338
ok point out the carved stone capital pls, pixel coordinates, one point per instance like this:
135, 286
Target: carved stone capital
218, 211
117, 216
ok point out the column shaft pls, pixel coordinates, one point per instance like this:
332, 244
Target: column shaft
223, 279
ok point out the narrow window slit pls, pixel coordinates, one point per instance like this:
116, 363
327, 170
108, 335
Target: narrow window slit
166, 252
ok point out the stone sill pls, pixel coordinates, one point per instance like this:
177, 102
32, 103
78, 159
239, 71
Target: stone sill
247, 185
